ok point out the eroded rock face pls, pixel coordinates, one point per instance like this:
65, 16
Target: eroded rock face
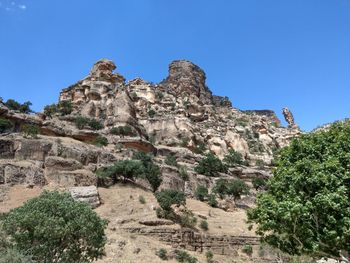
289, 117
86, 194
187, 78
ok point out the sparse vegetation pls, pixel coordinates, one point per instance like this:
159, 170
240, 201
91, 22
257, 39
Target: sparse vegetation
162, 254
5, 125
209, 256
184, 142
30, 130
184, 257
100, 141
234, 188
151, 113
187, 219
122, 131
212, 201
260, 163
142, 199
204, 225
168, 197
201, 193
159, 95
171, 160
210, 165
83, 122
67, 231
233, 158
62, 108
200, 148
259, 183
247, 249
305, 209
183, 173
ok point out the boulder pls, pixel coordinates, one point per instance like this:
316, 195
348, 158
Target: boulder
86, 194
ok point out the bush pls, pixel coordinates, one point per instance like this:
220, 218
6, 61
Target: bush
209, 256
248, 249
260, 163
212, 201
234, 188
259, 183
50, 110
29, 130
187, 219
183, 256
171, 160
233, 158
305, 209
100, 141
151, 113
211, 166
16, 106
5, 125
83, 122
122, 131
200, 148
162, 254
204, 225
12, 255
65, 107
201, 193
127, 169
67, 231
142, 199
168, 197
159, 95
183, 173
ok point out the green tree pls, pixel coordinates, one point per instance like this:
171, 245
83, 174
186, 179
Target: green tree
168, 197
16, 106
50, 110
5, 125
233, 158
201, 192
127, 169
259, 183
81, 122
122, 131
65, 107
55, 228
210, 165
220, 187
29, 130
306, 208
100, 141
236, 188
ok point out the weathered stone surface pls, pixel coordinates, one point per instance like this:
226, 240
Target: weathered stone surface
156, 222
86, 194
289, 117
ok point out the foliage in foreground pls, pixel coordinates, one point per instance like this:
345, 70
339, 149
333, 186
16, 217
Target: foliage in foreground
55, 228
306, 208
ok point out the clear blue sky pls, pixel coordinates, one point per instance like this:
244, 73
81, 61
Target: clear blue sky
263, 54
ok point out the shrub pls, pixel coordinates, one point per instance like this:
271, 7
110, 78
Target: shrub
65, 107
127, 169
81, 122
236, 188
95, 124
212, 201
162, 254
142, 199
248, 249
187, 219
204, 225
220, 187
67, 231
100, 141
201, 193
209, 256
259, 183
171, 160
5, 125
50, 110
210, 165
159, 95
183, 256
183, 173
29, 130
184, 142
305, 209
16, 106
200, 148
145, 158
151, 113
168, 197
233, 158
260, 163
12, 255
122, 131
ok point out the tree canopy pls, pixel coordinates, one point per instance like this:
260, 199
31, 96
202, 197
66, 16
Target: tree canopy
306, 208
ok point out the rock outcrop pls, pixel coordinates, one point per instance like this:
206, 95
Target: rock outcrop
288, 116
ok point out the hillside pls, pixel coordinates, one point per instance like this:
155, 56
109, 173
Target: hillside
102, 119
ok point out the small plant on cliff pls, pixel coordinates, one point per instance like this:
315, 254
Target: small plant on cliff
305, 209
16, 106
5, 125
201, 193
65, 107
171, 160
184, 257
168, 197
122, 131
210, 165
50, 110
200, 148
259, 183
53, 227
247, 249
162, 254
142, 199
212, 201
29, 130
234, 188
209, 256
187, 219
204, 225
183, 173
159, 95
83, 122
233, 158
95, 124
100, 141
151, 113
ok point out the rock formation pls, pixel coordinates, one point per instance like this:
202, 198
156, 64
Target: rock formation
288, 116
